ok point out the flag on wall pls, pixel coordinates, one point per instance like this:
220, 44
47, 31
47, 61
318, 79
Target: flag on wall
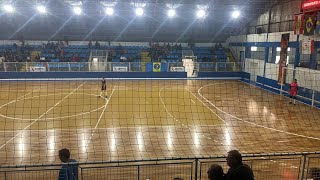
156, 67
299, 24
310, 23
317, 30
307, 47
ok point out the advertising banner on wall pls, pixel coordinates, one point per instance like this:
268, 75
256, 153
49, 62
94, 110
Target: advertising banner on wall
37, 69
310, 5
283, 58
177, 69
119, 69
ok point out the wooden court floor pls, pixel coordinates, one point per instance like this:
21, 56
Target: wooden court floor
147, 119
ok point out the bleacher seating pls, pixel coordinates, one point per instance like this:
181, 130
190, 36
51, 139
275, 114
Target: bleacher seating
132, 53
205, 54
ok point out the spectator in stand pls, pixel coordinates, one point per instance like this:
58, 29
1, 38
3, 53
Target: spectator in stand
90, 44
69, 170
2, 58
237, 169
15, 46
37, 58
97, 45
123, 58
76, 58
215, 172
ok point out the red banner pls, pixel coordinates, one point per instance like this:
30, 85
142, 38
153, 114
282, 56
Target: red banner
283, 58
310, 5
299, 24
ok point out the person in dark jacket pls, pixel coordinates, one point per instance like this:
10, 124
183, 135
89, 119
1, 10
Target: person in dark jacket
69, 170
237, 169
215, 172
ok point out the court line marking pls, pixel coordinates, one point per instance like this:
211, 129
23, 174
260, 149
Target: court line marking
192, 101
207, 106
254, 124
104, 109
19, 98
27, 127
47, 119
168, 110
112, 128
183, 125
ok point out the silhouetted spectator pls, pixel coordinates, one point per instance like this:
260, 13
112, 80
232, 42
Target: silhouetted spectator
15, 46
237, 169
177, 178
68, 171
76, 58
314, 174
215, 172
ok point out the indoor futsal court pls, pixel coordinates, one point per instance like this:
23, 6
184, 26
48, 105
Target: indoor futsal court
160, 90
148, 119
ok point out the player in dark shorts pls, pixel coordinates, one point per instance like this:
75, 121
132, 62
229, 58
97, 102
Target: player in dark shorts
293, 91
103, 88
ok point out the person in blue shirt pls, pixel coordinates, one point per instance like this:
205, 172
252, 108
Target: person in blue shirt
69, 168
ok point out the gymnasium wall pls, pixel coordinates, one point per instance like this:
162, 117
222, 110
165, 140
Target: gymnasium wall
281, 18
106, 43
125, 75
53, 75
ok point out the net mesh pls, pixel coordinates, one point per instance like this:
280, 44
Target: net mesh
155, 119
148, 119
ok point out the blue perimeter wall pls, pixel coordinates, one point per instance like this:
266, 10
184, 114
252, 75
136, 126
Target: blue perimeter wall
53, 75
273, 86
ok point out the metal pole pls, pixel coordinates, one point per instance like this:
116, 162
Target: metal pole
304, 161
196, 169
313, 87
81, 173
282, 80
48, 67
5, 66
129, 66
200, 170
138, 172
